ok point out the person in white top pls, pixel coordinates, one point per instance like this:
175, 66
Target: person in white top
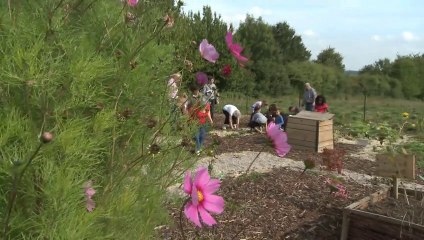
232, 116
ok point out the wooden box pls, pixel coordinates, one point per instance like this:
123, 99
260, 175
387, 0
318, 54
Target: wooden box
310, 131
358, 224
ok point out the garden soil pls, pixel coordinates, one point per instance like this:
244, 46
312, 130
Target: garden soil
274, 200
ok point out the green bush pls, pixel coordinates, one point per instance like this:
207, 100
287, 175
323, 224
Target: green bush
97, 80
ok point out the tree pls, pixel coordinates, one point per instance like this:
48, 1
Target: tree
290, 45
329, 57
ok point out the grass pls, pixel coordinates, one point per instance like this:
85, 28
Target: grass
350, 109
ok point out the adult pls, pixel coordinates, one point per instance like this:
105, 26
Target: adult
232, 116
321, 104
309, 96
259, 105
211, 91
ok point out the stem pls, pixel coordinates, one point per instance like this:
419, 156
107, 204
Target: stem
251, 163
181, 218
13, 194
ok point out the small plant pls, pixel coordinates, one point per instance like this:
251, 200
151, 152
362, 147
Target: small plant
336, 188
333, 159
310, 162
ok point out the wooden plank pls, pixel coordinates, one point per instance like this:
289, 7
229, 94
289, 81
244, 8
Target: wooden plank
325, 136
301, 135
366, 227
359, 224
312, 128
373, 198
326, 123
304, 143
386, 219
399, 165
301, 121
326, 143
345, 226
325, 128
314, 115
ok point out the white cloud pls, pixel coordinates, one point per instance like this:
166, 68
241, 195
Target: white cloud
309, 33
235, 19
376, 38
409, 36
258, 11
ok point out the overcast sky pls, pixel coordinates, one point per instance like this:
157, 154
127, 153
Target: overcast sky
363, 31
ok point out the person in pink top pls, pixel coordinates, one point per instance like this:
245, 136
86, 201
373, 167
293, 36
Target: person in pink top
320, 104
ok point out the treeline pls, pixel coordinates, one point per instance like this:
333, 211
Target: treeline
280, 62
401, 78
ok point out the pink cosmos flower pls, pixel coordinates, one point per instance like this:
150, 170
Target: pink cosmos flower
202, 201
89, 192
279, 139
201, 78
208, 51
235, 49
132, 3
226, 70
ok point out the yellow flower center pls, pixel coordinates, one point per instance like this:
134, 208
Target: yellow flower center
200, 196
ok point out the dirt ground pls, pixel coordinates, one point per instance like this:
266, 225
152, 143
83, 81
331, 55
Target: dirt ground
281, 203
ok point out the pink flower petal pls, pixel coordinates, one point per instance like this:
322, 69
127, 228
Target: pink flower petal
206, 217
229, 39
208, 51
279, 139
90, 204
187, 183
201, 78
235, 49
213, 203
212, 186
202, 178
132, 3
89, 192
192, 214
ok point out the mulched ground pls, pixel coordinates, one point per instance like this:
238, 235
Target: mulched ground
281, 204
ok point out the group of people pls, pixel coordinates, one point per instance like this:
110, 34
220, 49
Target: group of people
312, 101
200, 107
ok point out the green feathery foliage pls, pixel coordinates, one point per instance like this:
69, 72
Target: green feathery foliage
94, 74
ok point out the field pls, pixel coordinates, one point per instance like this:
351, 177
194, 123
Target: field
275, 200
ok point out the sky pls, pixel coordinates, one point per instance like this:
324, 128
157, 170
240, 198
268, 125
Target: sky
362, 31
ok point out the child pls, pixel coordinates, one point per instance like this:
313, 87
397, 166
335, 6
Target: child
201, 113
257, 120
320, 104
278, 119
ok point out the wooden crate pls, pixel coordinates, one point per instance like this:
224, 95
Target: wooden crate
359, 224
310, 131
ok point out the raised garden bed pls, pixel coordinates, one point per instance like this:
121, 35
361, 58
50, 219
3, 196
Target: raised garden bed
379, 216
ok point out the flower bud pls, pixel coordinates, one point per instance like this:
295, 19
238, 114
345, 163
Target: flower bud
46, 137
